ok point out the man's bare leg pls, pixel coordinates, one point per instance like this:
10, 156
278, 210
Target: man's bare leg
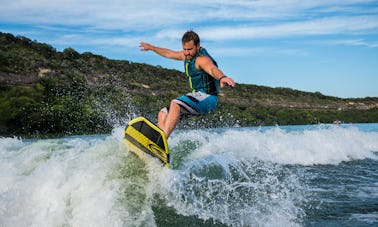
162, 116
167, 122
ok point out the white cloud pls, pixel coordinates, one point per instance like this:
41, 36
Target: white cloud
93, 21
323, 26
149, 14
257, 51
354, 42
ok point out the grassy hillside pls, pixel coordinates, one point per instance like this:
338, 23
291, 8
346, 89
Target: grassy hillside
46, 91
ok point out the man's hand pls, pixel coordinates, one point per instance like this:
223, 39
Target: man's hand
145, 46
226, 81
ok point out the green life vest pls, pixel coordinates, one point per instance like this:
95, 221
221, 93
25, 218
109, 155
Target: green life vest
199, 80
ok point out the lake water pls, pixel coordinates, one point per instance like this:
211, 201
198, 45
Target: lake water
323, 175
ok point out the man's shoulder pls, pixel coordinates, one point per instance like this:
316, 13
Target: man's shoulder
203, 52
202, 58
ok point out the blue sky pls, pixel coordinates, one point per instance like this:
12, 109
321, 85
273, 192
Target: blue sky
317, 46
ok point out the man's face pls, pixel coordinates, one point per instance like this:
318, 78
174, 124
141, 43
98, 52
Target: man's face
190, 50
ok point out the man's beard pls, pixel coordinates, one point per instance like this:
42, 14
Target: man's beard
188, 57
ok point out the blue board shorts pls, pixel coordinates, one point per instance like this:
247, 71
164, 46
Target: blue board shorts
196, 103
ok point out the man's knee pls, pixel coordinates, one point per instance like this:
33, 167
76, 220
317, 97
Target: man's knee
164, 111
174, 106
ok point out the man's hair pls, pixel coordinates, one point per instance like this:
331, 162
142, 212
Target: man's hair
189, 36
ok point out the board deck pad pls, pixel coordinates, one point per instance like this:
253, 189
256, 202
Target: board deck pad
149, 138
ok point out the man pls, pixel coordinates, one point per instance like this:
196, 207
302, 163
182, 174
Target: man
204, 79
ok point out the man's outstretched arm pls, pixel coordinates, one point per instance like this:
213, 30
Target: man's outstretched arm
167, 53
207, 65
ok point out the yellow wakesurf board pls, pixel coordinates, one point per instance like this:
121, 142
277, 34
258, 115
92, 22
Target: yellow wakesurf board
149, 138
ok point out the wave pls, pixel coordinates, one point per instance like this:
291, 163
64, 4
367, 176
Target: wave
245, 176
232, 177
311, 145
58, 181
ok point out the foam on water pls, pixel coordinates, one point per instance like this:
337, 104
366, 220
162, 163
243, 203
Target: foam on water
240, 176
57, 182
236, 177
320, 145
235, 194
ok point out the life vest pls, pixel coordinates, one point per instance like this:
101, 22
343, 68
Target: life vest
199, 80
